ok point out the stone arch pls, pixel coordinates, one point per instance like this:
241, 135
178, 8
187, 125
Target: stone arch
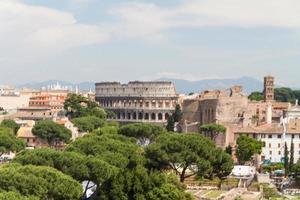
140, 117
153, 116
123, 115
134, 116
129, 115
160, 116
167, 115
146, 116
119, 115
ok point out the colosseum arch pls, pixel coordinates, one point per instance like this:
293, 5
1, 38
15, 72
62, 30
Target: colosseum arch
140, 115
160, 116
128, 115
146, 116
134, 116
167, 116
153, 116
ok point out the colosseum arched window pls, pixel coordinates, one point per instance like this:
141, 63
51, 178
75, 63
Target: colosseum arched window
153, 116
160, 116
134, 115
167, 116
140, 115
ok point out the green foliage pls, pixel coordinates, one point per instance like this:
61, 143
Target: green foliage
273, 167
10, 124
52, 132
144, 133
42, 182
177, 115
170, 124
282, 94
291, 156
9, 142
286, 159
246, 148
76, 165
15, 196
88, 123
213, 129
285, 95
270, 193
222, 164
79, 106
117, 150
138, 183
229, 149
107, 130
296, 171
256, 96
194, 152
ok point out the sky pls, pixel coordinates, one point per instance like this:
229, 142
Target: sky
119, 40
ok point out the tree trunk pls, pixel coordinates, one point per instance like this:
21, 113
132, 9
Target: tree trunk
182, 175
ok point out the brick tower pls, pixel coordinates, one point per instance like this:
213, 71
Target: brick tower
269, 88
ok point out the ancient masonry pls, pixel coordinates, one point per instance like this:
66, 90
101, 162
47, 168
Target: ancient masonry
138, 101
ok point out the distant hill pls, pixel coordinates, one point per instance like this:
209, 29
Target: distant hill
183, 86
84, 86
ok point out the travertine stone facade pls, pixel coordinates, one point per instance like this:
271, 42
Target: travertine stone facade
138, 101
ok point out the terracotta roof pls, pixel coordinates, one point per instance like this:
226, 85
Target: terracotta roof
269, 129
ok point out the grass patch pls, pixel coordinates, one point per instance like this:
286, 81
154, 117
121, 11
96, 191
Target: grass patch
213, 194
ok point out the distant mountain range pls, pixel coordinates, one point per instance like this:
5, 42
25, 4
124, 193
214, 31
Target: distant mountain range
249, 84
182, 86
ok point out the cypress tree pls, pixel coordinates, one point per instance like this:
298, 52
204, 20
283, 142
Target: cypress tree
177, 116
171, 124
291, 156
286, 159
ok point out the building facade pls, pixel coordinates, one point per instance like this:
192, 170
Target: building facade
43, 105
233, 109
152, 102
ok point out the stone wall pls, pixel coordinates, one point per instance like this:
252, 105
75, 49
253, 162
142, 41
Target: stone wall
150, 102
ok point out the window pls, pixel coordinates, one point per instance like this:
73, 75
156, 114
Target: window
293, 136
278, 136
263, 144
278, 145
270, 145
270, 152
270, 136
279, 152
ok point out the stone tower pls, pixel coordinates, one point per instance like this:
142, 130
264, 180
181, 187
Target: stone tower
269, 88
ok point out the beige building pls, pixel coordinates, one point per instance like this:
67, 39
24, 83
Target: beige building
137, 101
43, 105
25, 133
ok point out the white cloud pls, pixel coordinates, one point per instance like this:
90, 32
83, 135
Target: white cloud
150, 20
28, 32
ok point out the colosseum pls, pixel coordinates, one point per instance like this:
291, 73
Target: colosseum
137, 101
